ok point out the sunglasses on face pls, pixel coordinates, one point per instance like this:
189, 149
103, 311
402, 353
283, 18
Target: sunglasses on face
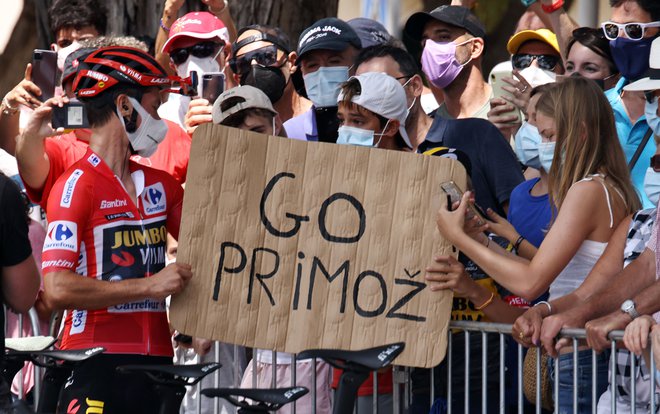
522, 61
655, 163
199, 50
634, 31
650, 96
264, 56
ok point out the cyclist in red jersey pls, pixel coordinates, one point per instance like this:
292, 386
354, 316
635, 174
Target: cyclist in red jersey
104, 254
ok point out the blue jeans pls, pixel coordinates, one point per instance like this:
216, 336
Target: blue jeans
584, 380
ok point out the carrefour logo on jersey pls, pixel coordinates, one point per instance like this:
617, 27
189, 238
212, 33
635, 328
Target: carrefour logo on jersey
153, 199
62, 235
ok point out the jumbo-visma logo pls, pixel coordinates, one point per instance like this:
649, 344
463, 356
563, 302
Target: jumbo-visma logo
154, 199
62, 235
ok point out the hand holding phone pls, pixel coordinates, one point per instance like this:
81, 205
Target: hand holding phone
44, 72
455, 194
71, 115
213, 84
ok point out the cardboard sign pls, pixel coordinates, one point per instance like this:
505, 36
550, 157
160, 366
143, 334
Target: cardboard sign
298, 245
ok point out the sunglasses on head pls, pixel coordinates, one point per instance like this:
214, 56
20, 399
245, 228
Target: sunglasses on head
199, 50
523, 61
634, 31
588, 32
264, 56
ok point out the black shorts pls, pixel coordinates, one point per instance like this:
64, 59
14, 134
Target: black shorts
95, 386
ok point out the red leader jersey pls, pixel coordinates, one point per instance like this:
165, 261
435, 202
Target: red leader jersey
97, 231
63, 150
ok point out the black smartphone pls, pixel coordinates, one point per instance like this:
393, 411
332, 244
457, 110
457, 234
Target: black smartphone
213, 84
184, 339
71, 115
44, 72
455, 194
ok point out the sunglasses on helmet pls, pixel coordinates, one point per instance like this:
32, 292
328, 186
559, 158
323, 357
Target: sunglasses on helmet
264, 56
199, 50
634, 31
522, 61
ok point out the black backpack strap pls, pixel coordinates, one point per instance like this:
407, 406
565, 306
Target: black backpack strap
640, 149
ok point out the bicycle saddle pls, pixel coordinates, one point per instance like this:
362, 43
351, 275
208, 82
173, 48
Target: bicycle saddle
269, 398
372, 358
68, 355
186, 374
29, 343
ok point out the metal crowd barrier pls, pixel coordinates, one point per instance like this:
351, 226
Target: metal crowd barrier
476, 333
402, 392
34, 324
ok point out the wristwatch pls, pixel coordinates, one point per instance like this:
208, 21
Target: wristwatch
629, 307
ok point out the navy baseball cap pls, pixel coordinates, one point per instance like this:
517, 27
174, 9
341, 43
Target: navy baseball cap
370, 32
329, 33
454, 15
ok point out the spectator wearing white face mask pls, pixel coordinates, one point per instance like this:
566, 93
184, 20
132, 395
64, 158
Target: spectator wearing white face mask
197, 42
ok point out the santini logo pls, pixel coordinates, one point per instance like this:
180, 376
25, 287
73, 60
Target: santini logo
62, 235
113, 203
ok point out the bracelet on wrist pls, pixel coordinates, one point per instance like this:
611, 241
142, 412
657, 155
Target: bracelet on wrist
518, 242
547, 304
486, 303
162, 26
6, 108
556, 5
224, 7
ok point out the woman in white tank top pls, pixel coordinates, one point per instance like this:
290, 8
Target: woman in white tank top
590, 187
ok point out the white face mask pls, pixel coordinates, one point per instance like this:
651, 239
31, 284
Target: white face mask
651, 113
64, 52
537, 76
652, 185
199, 65
148, 135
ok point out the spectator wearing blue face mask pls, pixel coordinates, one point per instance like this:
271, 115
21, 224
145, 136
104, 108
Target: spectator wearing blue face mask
372, 112
326, 51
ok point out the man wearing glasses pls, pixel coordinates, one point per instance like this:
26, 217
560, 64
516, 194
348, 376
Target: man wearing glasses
197, 42
262, 57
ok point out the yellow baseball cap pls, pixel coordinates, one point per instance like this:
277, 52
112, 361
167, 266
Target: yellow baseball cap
542, 35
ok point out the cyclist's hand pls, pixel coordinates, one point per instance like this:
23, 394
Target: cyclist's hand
39, 123
173, 279
199, 112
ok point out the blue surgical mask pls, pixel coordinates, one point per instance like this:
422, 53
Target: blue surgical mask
527, 145
355, 136
651, 113
358, 136
546, 153
652, 185
322, 86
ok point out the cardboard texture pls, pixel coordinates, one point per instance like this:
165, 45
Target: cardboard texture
298, 245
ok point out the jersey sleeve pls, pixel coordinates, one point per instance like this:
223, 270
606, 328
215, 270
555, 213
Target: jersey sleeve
69, 210
14, 241
58, 165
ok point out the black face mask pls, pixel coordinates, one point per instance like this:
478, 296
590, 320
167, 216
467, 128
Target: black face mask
270, 80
